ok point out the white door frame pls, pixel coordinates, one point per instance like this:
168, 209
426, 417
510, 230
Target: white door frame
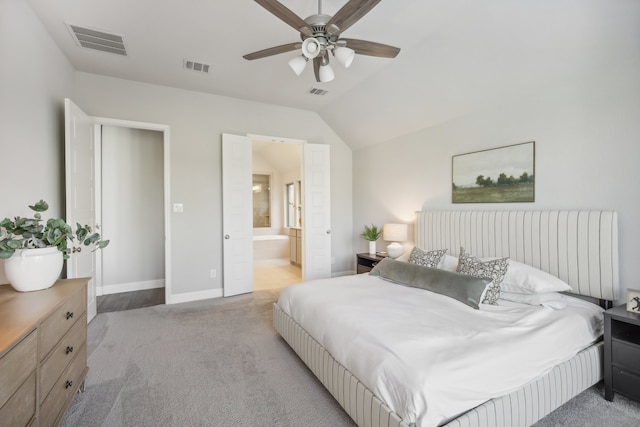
306, 229
165, 129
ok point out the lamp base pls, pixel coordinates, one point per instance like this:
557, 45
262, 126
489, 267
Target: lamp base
394, 250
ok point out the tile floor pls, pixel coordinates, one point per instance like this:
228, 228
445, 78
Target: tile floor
275, 274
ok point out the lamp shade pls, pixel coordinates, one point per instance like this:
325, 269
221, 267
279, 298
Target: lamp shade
311, 47
298, 64
344, 55
394, 232
326, 73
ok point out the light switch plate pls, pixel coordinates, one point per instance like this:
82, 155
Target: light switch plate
178, 208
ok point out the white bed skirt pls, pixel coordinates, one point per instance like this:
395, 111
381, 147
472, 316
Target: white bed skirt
521, 408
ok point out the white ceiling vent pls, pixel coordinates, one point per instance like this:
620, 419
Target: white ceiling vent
98, 40
196, 66
316, 91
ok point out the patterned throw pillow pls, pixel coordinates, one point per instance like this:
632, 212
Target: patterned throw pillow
494, 269
429, 259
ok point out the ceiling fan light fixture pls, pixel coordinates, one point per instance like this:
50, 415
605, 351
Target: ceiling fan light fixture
320, 34
344, 55
311, 47
326, 73
298, 64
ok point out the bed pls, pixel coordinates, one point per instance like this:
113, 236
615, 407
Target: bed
579, 247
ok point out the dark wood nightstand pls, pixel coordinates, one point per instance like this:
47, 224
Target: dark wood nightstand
366, 262
621, 353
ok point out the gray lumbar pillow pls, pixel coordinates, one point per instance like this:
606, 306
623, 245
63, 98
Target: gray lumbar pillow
466, 289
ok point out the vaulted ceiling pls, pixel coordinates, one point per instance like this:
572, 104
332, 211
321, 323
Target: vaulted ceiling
457, 56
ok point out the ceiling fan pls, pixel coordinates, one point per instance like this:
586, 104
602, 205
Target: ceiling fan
320, 35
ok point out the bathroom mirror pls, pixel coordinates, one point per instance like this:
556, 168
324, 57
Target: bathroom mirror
261, 200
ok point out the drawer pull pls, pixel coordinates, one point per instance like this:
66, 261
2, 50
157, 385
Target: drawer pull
69, 315
69, 350
68, 384
76, 249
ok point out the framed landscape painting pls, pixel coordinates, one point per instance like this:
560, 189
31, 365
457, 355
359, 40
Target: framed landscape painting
497, 175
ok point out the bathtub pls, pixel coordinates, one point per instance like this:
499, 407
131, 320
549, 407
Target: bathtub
270, 246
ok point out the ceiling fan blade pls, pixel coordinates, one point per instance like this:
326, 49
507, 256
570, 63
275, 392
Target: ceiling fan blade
349, 14
363, 47
273, 51
317, 62
286, 15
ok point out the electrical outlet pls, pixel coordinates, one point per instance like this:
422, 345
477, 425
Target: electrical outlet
178, 208
214, 274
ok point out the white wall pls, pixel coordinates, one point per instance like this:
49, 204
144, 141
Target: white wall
197, 121
35, 77
587, 134
133, 208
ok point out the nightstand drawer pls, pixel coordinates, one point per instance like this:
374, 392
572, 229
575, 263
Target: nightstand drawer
626, 355
626, 383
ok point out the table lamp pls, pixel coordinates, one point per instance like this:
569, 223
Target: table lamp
394, 233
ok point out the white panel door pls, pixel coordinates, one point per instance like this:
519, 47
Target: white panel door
316, 221
80, 193
237, 215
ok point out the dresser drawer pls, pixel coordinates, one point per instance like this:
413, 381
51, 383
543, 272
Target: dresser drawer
626, 355
63, 389
56, 325
21, 407
626, 383
62, 355
16, 365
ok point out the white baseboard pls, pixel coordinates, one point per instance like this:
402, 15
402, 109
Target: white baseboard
129, 287
193, 296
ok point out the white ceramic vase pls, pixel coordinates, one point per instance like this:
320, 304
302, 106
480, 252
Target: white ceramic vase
33, 269
372, 247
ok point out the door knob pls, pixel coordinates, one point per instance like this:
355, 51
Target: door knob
226, 236
328, 231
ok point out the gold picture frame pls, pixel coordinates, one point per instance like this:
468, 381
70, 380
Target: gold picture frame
633, 300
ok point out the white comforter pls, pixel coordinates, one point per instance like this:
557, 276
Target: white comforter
430, 357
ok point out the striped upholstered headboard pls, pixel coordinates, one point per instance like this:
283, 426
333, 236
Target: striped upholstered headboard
579, 247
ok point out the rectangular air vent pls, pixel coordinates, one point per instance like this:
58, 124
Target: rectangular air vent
316, 91
196, 66
98, 40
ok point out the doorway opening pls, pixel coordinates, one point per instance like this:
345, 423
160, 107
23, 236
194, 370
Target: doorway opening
132, 208
237, 207
277, 204
132, 199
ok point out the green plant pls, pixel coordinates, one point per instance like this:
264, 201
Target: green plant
372, 233
30, 233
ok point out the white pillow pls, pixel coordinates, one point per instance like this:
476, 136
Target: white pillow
525, 279
449, 263
549, 299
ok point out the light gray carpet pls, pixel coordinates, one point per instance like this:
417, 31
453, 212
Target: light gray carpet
220, 363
